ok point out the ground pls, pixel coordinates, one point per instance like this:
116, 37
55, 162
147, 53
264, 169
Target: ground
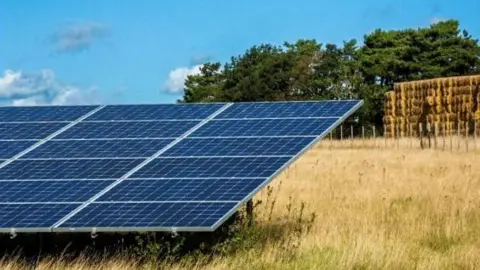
355, 205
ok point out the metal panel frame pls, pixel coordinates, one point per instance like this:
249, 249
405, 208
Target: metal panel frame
56, 228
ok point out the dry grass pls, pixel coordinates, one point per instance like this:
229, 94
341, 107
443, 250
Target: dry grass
374, 208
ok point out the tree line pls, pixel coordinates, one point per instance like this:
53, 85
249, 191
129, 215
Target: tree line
309, 70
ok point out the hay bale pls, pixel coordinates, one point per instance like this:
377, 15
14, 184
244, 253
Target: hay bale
390, 130
430, 100
477, 116
388, 120
446, 100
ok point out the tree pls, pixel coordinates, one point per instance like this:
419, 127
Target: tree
206, 86
403, 55
307, 70
262, 73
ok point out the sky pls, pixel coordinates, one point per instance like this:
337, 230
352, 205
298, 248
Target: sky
129, 52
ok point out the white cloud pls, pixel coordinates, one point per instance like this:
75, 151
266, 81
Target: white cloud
78, 36
177, 77
41, 88
436, 20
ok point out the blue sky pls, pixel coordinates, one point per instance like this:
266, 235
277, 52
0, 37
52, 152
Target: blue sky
107, 51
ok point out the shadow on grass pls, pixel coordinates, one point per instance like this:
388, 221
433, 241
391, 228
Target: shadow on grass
234, 236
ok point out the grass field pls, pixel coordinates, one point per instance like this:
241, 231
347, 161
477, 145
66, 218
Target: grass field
352, 205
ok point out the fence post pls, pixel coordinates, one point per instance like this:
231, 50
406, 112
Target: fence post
443, 135
374, 136
385, 133
397, 135
341, 133
458, 135
331, 137
475, 134
410, 134
420, 130
429, 132
363, 135
450, 132
466, 136
351, 134
435, 134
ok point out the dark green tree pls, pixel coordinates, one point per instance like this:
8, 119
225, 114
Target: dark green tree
262, 73
307, 70
206, 86
402, 55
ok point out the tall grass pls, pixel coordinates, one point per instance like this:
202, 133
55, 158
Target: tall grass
347, 205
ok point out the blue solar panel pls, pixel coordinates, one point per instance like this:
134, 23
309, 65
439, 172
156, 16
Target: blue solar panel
9, 149
155, 112
331, 108
154, 129
28, 131
265, 127
68, 168
211, 167
32, 215
239, 146
218, 189
193, 182
98, 148
142, 215
47, 113
50, 191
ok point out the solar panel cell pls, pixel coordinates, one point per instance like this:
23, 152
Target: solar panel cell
46, 113
239, 146
28, 131
68, 168
218, 189
138, 215
265, 127
50, 191
156, 111
9, 149
330, 108
98, 148
211, 167
32, 215
129, 130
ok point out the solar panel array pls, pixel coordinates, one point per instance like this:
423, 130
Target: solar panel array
184, 167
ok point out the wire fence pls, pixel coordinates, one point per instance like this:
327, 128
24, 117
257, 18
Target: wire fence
351, 136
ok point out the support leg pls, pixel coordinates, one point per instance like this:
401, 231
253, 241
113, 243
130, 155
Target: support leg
250, 212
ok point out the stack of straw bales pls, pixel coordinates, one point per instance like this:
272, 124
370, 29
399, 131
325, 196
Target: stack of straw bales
444, 104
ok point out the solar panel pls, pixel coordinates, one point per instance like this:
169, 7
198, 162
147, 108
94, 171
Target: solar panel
187, 189
32, 217
265, 127
156, 112
50, 191
28, 169
128, 129
97, 148
185, 167
42, 114
138, 215
238, 146
182, 167
28, 131
330, 108
9, 149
